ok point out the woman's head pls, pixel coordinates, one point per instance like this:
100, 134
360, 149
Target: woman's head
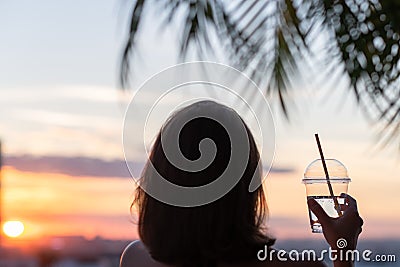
227, 229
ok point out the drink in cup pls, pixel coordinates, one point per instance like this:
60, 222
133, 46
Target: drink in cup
326, 191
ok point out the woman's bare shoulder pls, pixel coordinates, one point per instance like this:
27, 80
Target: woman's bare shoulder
282, 260
290, 263
275, 263
136, 255
300, 264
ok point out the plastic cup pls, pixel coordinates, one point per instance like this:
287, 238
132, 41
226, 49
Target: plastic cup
317, 187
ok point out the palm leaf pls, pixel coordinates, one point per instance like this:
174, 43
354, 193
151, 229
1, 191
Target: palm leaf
136, 18
273, 40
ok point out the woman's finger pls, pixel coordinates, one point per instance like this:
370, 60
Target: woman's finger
350, 200
316, 208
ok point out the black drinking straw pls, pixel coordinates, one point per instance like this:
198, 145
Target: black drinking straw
337, 206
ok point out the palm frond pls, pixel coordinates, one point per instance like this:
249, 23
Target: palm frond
273, 40
135, 20
366, 38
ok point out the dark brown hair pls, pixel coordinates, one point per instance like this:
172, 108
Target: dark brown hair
229, 229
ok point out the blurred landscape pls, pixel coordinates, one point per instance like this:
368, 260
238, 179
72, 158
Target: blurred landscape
66, 251
77, 251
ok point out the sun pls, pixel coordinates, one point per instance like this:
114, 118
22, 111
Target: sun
13, 228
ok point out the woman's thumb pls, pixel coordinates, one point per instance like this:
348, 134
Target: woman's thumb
323, 218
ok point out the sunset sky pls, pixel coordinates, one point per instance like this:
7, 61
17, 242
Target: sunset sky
61, 119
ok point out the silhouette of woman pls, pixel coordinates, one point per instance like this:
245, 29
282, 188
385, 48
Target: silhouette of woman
229, 231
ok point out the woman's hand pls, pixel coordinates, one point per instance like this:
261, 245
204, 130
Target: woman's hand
347, 226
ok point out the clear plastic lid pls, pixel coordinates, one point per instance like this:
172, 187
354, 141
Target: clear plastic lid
315, 171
